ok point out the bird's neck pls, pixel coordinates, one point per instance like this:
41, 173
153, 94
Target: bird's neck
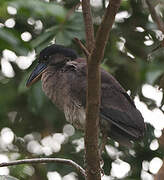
53, 84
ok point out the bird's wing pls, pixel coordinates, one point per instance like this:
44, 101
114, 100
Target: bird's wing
118, 108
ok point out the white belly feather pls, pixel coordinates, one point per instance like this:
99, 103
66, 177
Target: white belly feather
75, 116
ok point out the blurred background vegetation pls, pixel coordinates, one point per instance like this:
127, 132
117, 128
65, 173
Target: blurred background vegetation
31, 126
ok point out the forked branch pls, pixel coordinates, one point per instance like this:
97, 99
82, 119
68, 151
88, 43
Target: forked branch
94, 82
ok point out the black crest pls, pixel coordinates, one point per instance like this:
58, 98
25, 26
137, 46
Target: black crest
57, 49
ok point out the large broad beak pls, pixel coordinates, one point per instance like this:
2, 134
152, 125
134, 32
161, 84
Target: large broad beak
36, 74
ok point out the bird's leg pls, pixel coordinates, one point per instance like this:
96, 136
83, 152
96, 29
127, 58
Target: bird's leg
103, 143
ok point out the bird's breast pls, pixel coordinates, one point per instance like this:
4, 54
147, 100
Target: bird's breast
54, 88
75, 115
57, 88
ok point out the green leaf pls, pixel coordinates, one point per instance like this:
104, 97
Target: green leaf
40, 8
10, 39
7, 178
63, 33
36, 98
71, 28
41, 39
153, 75
22, 85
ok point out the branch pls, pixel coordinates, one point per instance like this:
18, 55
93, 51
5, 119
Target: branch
102, 35
91, 139
46, 160
72, 10
84, 49
155, 16
158, 21
89, 30
94, 87
160, 25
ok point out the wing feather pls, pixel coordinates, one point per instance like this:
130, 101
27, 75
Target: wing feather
117, 108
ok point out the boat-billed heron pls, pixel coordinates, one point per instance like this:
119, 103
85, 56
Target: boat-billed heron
64, 81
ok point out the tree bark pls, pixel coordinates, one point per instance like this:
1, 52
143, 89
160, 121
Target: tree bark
96, 48
89, 30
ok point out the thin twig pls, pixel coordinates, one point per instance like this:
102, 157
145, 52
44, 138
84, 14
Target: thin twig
72, 10
157, 19
89, 30
84, 49
160, 24
155, 16
45, 160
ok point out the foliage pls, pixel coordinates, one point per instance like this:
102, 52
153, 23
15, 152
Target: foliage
7, 178
31, 116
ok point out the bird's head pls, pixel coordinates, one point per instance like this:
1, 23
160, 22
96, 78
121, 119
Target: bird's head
50, 56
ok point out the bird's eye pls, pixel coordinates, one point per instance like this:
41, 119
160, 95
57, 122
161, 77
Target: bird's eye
45, 58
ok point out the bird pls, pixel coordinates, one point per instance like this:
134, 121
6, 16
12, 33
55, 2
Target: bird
64, 80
